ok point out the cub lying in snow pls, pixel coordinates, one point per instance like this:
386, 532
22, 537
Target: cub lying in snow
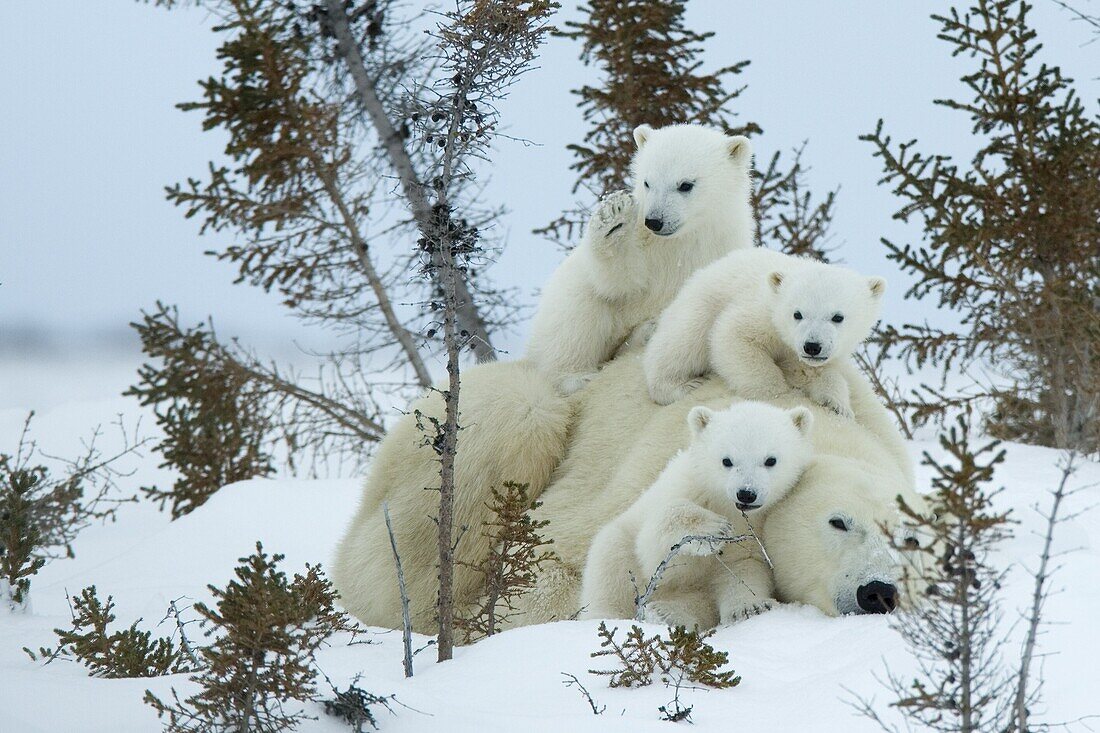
742, 459
690, 205
766, 323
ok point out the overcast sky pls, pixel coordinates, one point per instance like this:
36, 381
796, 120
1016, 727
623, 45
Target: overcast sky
89, 136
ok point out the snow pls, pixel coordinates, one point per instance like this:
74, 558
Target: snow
800, 669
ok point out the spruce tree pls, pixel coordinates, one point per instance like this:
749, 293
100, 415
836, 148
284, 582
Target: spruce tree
1011, 239
510, 569
651, 69
260, 667
216, 421
954, 632
44, 507
125, 653
649, 63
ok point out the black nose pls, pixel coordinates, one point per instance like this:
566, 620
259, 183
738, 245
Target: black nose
654, 225
812, 348
877, 597
746, 496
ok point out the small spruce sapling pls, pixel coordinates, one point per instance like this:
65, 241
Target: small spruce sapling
214, 416
125, 653
954, 634
260, 670
43, 510
514, 559
683, 655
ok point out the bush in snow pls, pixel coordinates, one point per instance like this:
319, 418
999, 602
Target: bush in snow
965, 681
126, 653
214, 417
42, 511
513, 562
260, 667
684, 655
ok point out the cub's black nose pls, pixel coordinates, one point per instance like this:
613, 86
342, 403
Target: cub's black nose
746, 496
812, 348
877, 597
654, 225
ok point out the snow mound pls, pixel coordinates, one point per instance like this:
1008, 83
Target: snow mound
800, 669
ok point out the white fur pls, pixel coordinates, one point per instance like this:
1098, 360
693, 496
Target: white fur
622, 274
514, 429
749, 448
752, 317
825, 566
517, 427
621, 441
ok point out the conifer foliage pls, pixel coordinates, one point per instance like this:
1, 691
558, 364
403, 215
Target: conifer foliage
684, 655
962, 684
1010, 239
651, 72
511, 568
215, 420
43, 510
123, 653
260, 667
650, 63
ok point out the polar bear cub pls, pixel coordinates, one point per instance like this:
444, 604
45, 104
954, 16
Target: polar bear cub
742, 459
767, 323
689, 206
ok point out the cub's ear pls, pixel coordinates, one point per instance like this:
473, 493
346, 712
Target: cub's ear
641, 134
802, 418
775, 280
738, 147
698, 418
878, 286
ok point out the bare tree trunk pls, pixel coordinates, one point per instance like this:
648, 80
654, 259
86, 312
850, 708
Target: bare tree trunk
406, 623
402, 334
1020, 708
468, 317
447, 464
966, 709
332, 189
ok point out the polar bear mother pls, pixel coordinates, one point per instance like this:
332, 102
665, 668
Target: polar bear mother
518, 428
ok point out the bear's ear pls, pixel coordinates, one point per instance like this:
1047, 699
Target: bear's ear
802, 418
739, 147
641, 134
775, 280
878, 286
699, 418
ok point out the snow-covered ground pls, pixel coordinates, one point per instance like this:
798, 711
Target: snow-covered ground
800, 669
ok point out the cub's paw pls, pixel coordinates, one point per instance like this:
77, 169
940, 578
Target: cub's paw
572, 383
668, 614
715, 526
642, 332
834, 403
831, 391
667, 391
740, 613
611, 222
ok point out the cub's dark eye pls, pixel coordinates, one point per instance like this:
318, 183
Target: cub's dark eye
685, 187
645, 183
727, 463
798, 315
770, 461
912, 543
838, 523
838, 318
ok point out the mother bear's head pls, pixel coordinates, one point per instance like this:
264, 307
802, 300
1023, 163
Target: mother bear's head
838, 542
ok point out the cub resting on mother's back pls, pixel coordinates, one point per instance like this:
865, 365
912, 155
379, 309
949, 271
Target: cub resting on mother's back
690, 206
768, 324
